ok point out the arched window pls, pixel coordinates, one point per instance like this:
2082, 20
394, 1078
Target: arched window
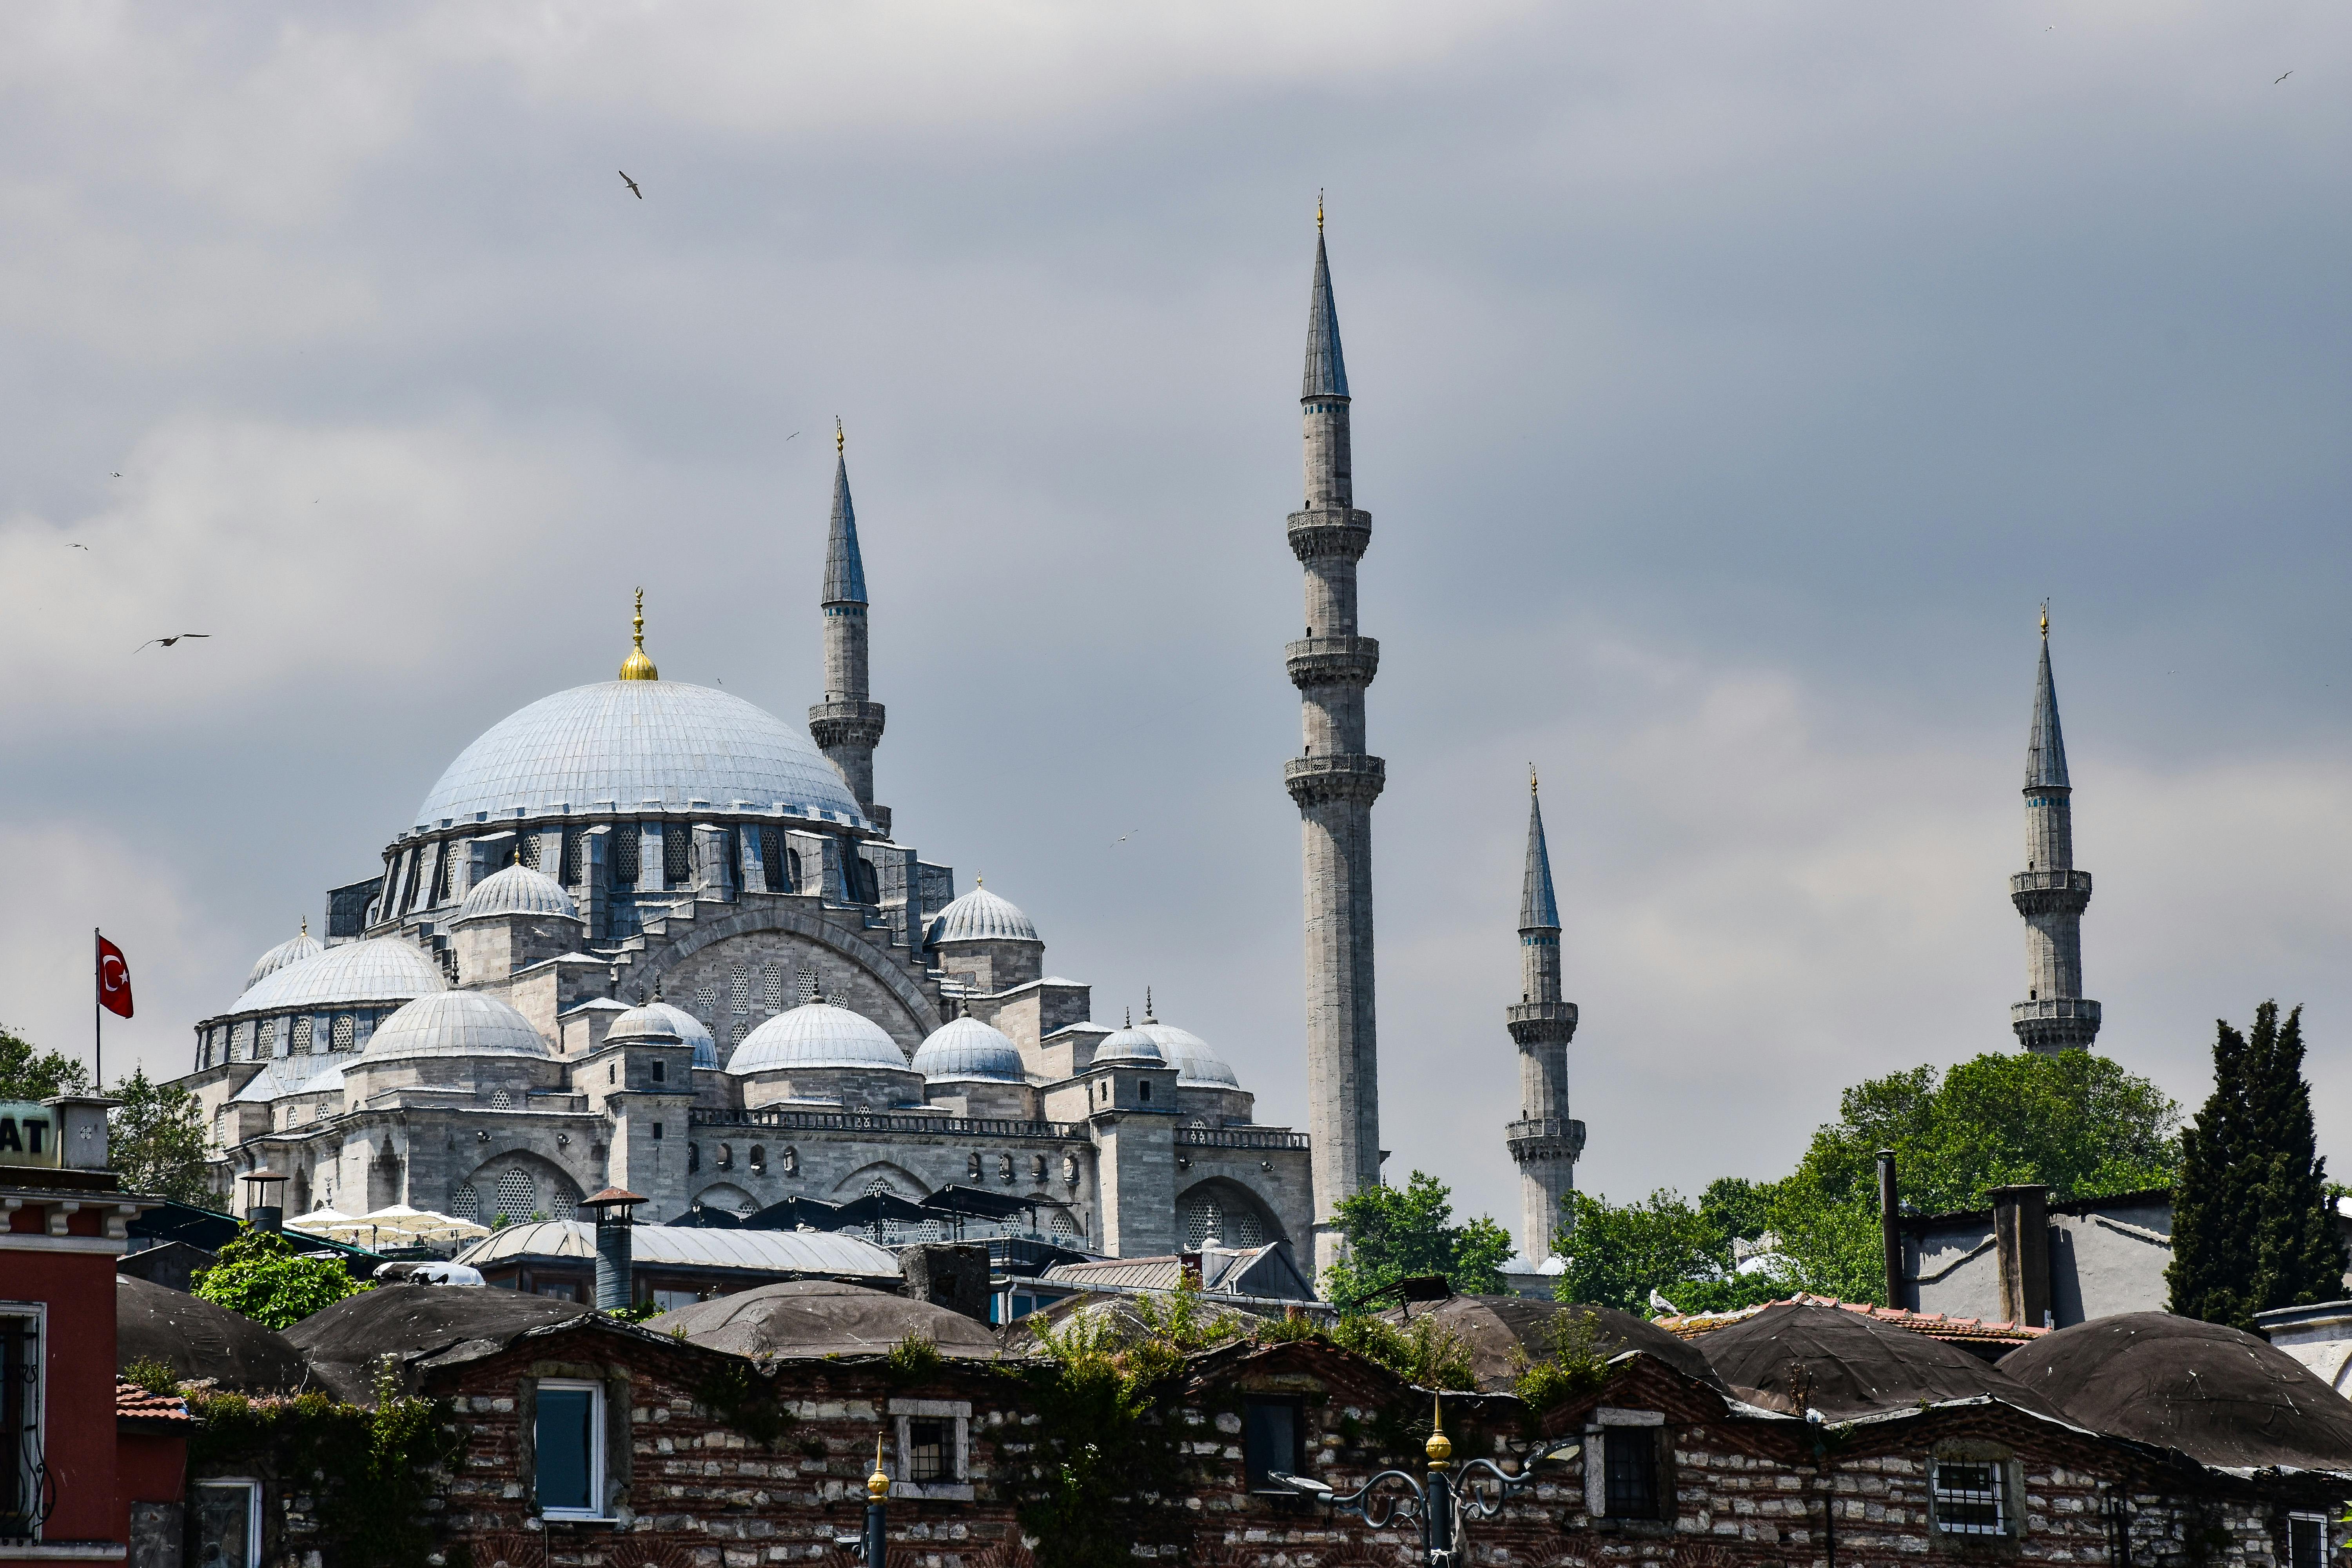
1204, 1223
1004, 1167
466, 1204
1036, 1167
343, 1031
302, 1035
518, 1199
693, 1158
727, 1156
501, 1100
971, 1168
790, 1163
760, 1158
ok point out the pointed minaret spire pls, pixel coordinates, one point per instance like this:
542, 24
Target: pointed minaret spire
2050, 893
1545, 1142
848, 725
1334, 782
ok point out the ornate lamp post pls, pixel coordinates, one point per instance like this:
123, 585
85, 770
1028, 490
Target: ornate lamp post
1441, 1504
871, 1547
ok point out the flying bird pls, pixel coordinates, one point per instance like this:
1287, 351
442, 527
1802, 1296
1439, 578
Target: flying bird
2283, 79
632, 184
118, 476
788, 438
167, 642
1125, 837
71, 545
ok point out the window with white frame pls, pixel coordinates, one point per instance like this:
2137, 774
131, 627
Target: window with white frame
934, 1439
1966, 1496
24, 1381
568, 1448
228, 1523
1626, 1468
2306, 1541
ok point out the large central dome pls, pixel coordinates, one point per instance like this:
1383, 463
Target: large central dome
630, 741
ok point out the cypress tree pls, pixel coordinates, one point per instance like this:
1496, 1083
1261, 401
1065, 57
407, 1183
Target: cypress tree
2251, 1222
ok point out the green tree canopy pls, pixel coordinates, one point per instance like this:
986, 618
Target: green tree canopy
2250, 1226
1616, 1256
1397, 1233
28, 1075
157, 1141
260, 1275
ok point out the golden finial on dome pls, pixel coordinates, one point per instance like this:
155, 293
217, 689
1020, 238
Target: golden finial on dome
637, 667
306, 925
1439, 1445
877, 1485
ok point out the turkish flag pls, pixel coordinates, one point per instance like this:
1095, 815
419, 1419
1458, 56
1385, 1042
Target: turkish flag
113, 980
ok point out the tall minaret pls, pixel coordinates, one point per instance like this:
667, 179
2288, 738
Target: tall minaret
2050, 893
1544, 1140
846, 725
1334, 784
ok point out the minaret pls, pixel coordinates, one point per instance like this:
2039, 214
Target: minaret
2050, 893
846, 725
1334, 784
1544, 1140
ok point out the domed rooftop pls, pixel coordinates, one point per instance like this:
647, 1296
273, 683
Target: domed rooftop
629, 742
812, 1317
980, 916
816, 1035
645, 1021
968, 1048
518, 890
1858, 1365
346, 1343
1503, 1333
197, 1339
1130, 1045
293, 950
690, 1030
2219, 1395
1190, 1055
454, 1024
385, 968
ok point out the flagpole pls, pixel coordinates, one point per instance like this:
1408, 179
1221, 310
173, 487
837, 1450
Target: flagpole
97, 1016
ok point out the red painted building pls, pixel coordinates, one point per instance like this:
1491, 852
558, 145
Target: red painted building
82, 1478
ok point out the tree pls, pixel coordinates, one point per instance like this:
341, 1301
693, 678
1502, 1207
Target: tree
2075, 1122
25, 1076
157, 1139
260, 1275
2252, 1228
1395, 1234
1616, 1256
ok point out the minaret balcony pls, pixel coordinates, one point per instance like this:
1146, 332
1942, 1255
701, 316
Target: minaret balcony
845, 723
1322, 781
1544, 1138
1333, 661
2050, 892
1541, 1023
2055, 1023
1323, 534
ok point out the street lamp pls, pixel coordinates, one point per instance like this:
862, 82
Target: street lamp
871, 1547
1442, 1505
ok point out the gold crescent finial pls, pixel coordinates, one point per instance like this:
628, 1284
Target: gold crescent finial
637, 667
2045, 617
306, 925
840, 440
877, 1485
1319, 209
1531, 778
1439, 1445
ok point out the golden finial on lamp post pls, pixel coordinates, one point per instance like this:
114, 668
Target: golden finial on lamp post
637, 667
877, 1485
1440, 1446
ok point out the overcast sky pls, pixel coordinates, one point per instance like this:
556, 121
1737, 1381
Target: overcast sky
1731, 383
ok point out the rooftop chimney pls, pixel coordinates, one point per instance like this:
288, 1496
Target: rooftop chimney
615, 1219
2020, 1231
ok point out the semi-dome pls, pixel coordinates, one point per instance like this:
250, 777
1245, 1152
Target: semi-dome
1130, 1045
631, 741
816, 1035
293, 950
518, 890
968, 1048
384, 969
649, 1020
1190, 1055
980, 916
454, 1023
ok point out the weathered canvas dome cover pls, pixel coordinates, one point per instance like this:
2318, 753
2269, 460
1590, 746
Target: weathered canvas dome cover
342, 1343
1494, 1327
2219, 1395
198, 1340
1857, 1364
815, 1318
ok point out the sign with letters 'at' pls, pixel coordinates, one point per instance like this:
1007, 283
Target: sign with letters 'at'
28, 1134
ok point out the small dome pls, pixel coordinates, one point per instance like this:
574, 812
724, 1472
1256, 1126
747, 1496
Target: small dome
968, 1048
454, 1023
686, 1028
1190, 1055
1130, 1045
980, 916
385, 968
518, 890
816, 1035
647, 1021
292, 951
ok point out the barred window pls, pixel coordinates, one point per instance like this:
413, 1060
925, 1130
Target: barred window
501, 1100
1966, 1496
678, 854
220, 1127
2306, 1541
444, 859
1242, 1229
1064, 1224
266, 1038
526, 850
302, 1033
807, 986
567, 865
772, 859
517, 1198
743, 988
466, 1204
343, 1031
706, 997
1204, 1223
625, 855
1630, 1454
775, 978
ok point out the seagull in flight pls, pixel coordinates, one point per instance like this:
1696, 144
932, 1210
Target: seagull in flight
2283, 79
71, 545
632, 184
167, 642
1125, 837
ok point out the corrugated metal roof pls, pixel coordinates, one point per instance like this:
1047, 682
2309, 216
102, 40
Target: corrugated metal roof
689, 1246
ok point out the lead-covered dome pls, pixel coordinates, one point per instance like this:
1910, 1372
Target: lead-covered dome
630, 741
1190, 1055
518, 890
980, 916
454, 1023
966, 1049
648, 1019
384, 969
1130, 1045
816, 1035
293, 950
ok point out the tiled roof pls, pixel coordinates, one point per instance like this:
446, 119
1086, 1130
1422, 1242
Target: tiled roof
130, 1399
1935, 1325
